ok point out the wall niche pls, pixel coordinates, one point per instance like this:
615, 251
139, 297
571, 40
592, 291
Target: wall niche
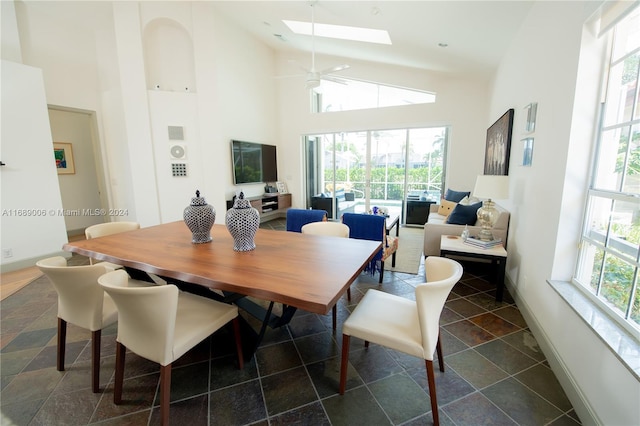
168, 57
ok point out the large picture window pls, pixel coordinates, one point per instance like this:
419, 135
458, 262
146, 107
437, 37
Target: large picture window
608, 259
381, 168
346, 94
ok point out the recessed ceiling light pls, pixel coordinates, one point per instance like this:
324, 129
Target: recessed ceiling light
340, 31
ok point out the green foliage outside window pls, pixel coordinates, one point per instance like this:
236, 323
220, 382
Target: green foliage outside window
617, 280
390, 180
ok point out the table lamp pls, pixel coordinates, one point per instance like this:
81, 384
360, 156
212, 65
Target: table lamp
490, 187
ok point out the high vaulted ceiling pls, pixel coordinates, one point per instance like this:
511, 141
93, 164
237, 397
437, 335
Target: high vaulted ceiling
477, 33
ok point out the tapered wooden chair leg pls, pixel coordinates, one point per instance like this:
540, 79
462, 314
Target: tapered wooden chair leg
95, 360
62, 339
165, 393
120, 356
440, 358
344, 362
432, 392
236, 332
334, 317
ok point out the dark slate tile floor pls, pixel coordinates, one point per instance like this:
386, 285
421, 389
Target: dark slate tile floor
495, 372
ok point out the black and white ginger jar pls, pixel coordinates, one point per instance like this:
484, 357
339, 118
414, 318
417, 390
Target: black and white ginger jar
243, 222
199, 217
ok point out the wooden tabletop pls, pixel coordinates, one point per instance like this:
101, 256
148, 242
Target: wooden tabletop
309, 272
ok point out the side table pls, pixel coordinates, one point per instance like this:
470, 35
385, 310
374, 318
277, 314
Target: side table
453, 245
390, 223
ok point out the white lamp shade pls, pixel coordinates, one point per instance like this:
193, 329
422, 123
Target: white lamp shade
495, 187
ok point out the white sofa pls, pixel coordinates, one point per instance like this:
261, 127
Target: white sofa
436, 226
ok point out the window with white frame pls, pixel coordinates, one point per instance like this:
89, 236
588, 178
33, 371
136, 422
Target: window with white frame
345, 94
608, 259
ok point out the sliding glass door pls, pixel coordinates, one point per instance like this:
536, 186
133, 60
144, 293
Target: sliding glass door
381, 168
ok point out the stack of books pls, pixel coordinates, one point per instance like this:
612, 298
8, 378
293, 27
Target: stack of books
483, 244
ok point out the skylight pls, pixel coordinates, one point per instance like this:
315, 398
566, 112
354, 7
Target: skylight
340, 31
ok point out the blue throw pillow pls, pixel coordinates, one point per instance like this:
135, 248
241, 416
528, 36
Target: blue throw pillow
464, 215
455, 196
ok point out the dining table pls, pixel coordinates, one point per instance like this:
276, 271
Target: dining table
299, 271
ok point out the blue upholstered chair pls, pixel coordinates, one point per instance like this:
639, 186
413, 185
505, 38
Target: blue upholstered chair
297, 218
371, 227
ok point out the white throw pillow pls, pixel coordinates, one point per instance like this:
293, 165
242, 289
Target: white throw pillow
467, 201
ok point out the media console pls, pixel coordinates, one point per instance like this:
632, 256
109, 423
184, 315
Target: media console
270, 206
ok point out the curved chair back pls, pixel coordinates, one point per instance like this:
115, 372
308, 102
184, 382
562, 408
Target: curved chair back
368, 227
81, 301
442, 275
365, 226
297, 218
334, 229
108, 228
147, 316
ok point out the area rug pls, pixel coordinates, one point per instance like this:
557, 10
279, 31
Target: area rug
409, 252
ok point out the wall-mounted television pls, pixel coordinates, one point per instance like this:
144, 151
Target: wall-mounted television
253, 162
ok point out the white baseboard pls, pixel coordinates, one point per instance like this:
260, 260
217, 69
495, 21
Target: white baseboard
26, 263
580, 404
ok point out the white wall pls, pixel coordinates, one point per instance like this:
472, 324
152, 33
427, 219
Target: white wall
461, 103
230, 100
30, 202
546, 201
244, 101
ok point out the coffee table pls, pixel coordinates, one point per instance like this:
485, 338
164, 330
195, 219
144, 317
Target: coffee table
453, 245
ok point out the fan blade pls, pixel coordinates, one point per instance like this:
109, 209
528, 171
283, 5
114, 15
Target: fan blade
290, 76
335, 69
333, 79
298, 65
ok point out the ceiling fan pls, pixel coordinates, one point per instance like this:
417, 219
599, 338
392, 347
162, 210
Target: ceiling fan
314, 76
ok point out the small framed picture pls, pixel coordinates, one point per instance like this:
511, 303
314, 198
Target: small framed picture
531, 112
527, 151
282, 187
63, 155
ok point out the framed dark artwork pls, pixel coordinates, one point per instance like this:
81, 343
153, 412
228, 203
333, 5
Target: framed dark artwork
496, 156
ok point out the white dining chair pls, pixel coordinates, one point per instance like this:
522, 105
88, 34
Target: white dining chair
162, 323
408, 326
109, 228
332, 229
81, 302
